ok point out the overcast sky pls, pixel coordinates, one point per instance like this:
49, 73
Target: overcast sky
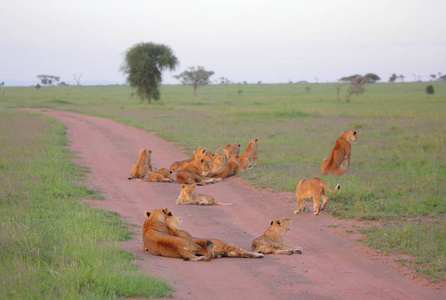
268, 41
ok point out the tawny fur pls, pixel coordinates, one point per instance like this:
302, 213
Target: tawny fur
339, 154
198, 153
229, 150
221, 249
313, 188
143, 164
271, 242
158, 241
229, 169
187, 196
160, 175
196, 171
249, 157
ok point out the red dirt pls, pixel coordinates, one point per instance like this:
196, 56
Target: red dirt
333, 265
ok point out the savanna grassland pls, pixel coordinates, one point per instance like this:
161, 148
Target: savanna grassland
398, 166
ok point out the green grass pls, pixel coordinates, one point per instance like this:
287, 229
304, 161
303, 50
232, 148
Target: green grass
51, 244
398, 166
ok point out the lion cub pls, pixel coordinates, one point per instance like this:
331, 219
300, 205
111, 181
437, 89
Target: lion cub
340, 153
313, 188
160, 175
271, 242
249, 157
187, 196
143, 164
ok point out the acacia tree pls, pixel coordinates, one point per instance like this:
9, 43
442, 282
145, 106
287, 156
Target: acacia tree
195, 77
143, 64
48, 79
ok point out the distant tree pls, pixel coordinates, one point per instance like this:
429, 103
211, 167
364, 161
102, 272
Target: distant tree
429, 89
2, 84
401, 78
195, 77
443, 77
48, 79
356, 86
433, 76
372, 78
77, 78
393, 78
143, 64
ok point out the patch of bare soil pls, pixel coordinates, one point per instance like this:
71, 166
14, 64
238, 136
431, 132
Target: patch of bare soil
333, 265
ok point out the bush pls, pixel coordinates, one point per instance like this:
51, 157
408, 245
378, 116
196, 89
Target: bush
430, 89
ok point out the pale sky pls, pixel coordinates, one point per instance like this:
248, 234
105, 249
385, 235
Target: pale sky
268, 41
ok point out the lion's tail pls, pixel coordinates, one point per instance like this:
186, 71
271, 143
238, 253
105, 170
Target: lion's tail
325, 187
219, 203
209, 247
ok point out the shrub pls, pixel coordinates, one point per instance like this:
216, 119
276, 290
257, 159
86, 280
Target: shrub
429, 89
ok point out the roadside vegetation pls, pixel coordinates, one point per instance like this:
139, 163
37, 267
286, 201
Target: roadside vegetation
53, 246
398, 166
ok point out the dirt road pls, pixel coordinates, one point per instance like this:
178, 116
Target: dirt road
332, 266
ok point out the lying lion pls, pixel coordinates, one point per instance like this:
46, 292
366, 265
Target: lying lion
271, 242
229, 169
160, 175
221, 249
340, 153
187, 196
158, 241
313, 188
200, 152
196, 171
142, 166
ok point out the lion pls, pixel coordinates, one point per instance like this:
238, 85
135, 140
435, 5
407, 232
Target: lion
249, 156
159, 242
187, 196
313, 188
339, 154
160, 175
218, 163
229, 150
196, 171
198, 153
142, 166
229, 169
271, 242
221, 249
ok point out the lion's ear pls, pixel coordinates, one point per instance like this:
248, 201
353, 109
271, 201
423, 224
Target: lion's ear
170, 171
147, 214
169, 214
279, 222
354, 132
166, 210
271, 223
202, 160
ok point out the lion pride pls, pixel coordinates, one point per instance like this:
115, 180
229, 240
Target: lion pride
159, 242
142, 166
200, 152
221, 249
313, 188
271, 242
340, 153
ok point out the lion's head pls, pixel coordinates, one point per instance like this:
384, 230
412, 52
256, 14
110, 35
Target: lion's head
281, 224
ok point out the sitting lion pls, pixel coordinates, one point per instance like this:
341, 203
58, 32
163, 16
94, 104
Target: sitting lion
187, 196
271, 242
158, 241
196, 171
160, 175
143, 165
249, 157
229, 150
198, 153
229, 169
340, 153
313, 188
221, 249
